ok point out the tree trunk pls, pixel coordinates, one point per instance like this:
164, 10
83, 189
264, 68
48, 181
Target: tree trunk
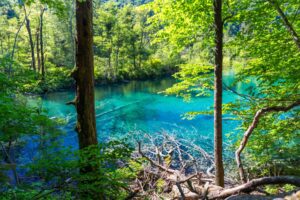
141, 48
116, 67
1, 44
72, 40
42, 45
111, 69
219, 179
84, 75
134, 54
14, 48
38, 52
33, 66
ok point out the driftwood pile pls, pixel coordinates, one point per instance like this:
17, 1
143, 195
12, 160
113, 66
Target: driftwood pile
177, 169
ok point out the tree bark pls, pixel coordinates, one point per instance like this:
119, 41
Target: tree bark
219, 179
251, 128
72, 38
33, 66
38, 52
110, 67
14, 48
250, 186
84, 75
42, 45
141, 47
287, 24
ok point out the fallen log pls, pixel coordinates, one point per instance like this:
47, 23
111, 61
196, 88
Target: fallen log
251, 185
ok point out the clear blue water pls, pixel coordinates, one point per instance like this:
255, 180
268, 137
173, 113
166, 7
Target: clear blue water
138, 105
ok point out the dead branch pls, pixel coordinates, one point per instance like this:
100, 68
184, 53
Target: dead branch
251, 185
152, 162
251, 128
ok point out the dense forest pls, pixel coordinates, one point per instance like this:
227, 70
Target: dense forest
150, 99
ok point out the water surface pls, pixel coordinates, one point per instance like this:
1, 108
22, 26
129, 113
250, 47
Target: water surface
138, 105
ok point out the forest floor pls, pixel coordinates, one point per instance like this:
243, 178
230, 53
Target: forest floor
178, 171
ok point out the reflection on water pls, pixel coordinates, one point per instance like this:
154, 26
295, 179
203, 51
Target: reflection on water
138, 105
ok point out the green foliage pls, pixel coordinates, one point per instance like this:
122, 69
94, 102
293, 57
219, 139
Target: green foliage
260, 50
124, 48
138, 42
52, 164
112, 171
20, 120
271, 61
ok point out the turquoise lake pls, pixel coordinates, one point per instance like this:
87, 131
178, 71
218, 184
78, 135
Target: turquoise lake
139, 105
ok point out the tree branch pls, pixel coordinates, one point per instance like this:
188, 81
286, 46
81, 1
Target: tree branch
152, 162
286, 22
250, 129
250, 186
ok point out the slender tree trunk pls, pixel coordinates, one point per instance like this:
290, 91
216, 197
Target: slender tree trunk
11, 162
140, 48
33, 66
110, 66
134, 54
286, 22
14, 48
84, 75
38, 52
1, 44
72, 38
42, 45
117, 61
219, 179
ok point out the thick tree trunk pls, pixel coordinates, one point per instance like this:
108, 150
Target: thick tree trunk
251, 128
286, 22
218, 93
84, 75
42, 45
33, 66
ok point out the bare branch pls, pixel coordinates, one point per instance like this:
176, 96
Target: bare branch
250, 186
152, 162
250, 129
